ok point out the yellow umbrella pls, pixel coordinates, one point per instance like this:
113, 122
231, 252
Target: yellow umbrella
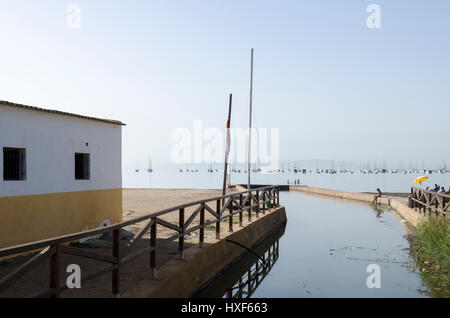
420, 179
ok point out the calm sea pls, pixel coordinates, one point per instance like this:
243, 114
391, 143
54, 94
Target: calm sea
171, 177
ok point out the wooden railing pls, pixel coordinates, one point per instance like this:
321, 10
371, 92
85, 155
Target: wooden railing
256, 200
424, 200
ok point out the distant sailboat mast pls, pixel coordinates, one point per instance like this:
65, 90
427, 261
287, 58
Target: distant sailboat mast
150, 169
250, 119
137, 166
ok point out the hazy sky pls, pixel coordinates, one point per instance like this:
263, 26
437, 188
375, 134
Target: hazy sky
334, 87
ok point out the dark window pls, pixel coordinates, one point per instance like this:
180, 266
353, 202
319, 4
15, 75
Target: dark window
14, 164
82, 163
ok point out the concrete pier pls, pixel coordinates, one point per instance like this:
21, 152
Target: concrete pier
181, 278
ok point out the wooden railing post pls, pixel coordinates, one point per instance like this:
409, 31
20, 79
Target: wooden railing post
218, 220
181, 238
153, 252
429, 200
264, 202
202, 223
240, 213
230, 222
278, 196
272, 200
436, 204
250, 203
55, 272
116, 272
259, 204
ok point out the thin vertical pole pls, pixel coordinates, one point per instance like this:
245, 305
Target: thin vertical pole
227, 146
250, 119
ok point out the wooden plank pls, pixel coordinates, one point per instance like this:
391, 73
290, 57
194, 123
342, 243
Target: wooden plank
191, 218
139, 252
247, 197
64, 249
208, 208
202, 224
181, 238
153, 252
240, 213
137, 237
26, 267
236, 203
225, 206
218, 221
169, 225
258, 204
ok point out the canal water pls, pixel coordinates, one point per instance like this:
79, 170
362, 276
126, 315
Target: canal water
325, 251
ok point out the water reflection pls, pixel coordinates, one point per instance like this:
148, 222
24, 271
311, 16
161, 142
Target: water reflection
242, 277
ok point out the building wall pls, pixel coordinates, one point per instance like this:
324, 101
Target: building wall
50, 202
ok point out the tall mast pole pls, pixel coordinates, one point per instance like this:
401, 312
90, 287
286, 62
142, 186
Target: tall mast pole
250, 120
227, 149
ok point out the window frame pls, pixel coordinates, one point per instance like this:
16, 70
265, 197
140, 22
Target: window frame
85, 159
21, 164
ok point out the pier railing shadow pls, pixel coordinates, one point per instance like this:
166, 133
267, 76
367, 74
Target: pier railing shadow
241, 278
425, 200
51, 250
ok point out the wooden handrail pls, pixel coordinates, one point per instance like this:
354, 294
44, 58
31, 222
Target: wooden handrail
433, 201
54, 246
76, 236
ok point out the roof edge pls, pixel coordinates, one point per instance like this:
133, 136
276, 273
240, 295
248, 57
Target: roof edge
57, 112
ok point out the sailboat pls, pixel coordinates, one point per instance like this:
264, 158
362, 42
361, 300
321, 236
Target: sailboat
137, 166
150, 169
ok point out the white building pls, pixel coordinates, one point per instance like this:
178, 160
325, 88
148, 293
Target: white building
61, 173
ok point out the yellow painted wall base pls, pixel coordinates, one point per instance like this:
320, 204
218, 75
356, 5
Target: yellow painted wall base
31, 218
